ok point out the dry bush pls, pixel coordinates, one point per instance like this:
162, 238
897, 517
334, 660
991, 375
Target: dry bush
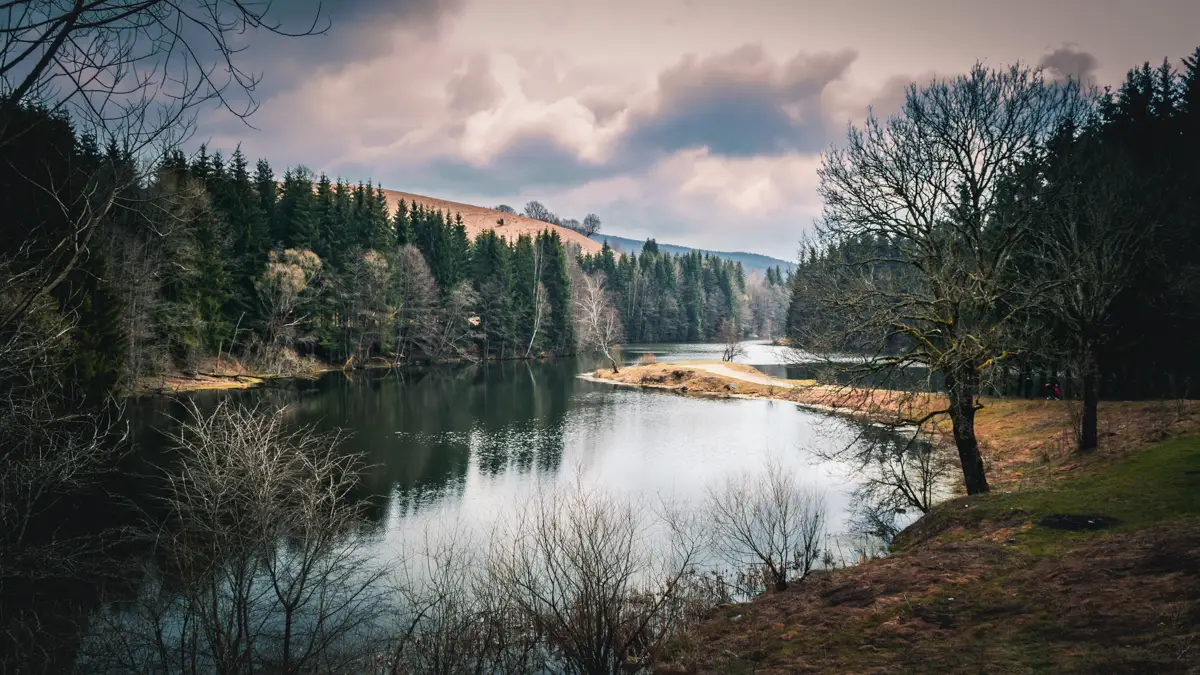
581, 569
257, 567
647, 359
770, 521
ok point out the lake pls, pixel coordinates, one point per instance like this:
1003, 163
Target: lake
457, 445
455, 450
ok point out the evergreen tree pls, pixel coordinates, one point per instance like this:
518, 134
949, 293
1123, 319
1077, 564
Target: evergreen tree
402, 225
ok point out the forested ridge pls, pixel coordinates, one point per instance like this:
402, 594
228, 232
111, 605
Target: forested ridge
213, 256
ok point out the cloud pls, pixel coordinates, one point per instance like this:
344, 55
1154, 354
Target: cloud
473, 88
1070, 62
742, 103
349, 31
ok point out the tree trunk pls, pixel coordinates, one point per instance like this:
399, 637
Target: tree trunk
962, 416
1088, 436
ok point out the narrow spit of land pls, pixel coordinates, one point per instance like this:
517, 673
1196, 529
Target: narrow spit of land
1072, 564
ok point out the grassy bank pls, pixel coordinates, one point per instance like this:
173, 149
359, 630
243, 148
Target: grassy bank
991, 583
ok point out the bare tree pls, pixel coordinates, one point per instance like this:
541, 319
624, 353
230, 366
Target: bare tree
731, 338
369, 317
135, 70
452, 332
1091, 246
591, 225
929, 183
541, 305
257, 544
771, 520
580, 570
597, 324
505, 208
282, 289
538, 211
415, 295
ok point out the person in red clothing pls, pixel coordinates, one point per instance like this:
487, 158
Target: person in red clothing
1057, 392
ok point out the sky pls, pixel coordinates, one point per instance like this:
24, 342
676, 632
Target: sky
697, 122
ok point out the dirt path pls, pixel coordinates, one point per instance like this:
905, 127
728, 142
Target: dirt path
725, 371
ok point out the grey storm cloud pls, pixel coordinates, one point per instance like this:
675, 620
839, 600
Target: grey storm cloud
743, 103
347, 31
528, 161
1068, 61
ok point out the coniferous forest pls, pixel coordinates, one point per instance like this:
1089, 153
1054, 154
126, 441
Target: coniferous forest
1106, 270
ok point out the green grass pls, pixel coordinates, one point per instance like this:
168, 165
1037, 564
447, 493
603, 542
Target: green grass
1158, 484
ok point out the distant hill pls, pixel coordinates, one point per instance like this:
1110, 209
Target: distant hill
751, 262
478, 219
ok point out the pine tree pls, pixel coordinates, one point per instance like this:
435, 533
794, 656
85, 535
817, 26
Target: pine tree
268, 196
402, 225
296, 215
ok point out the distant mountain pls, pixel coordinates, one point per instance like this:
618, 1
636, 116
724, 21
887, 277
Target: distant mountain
751, 262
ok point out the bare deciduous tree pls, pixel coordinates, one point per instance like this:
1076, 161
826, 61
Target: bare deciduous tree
282, 290
415, 295
452, 332
579, 569
591, 225
930, 182
1091, 244
597, 324
538, 211
263, 571
731, 338
769, 519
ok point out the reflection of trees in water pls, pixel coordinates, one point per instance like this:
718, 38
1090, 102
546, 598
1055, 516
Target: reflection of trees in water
901, 474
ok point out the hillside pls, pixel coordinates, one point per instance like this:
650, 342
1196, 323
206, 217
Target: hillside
479, 219
752, 262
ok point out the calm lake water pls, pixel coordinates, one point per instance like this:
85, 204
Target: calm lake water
457, 446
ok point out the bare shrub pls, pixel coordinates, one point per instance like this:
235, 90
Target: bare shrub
451, 618
770, 521
647, 359
580, 571
257, 568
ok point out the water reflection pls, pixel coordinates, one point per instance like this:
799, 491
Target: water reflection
462, 444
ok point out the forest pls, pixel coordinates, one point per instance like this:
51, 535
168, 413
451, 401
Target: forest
688, 297
210, 257
1006, 233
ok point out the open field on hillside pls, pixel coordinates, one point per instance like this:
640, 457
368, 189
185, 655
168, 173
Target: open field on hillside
478, 219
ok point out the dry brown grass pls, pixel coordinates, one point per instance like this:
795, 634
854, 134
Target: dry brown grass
478, 219
1121, 602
